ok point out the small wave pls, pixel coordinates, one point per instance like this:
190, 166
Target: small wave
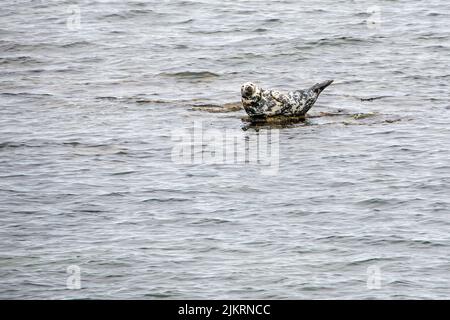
337, 41
26, 94
186, 21
436, 14
216, 31
89, 210
76, 44
115, 194
408, 242
109, 98
154, 101
374, 202
123, 173
159, 295
13, 145
144, 100
114, 15
190, 75
72, 143
19, 60
130, 14
165, 200
272, 20
141, 11
7, 46
368, 260
374, 98
208, 221
181, 46
132, 99
362, 14
17, 175
432, 36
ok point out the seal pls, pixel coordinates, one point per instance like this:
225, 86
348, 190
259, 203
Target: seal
260, 103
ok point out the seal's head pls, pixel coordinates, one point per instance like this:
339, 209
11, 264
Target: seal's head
249, 91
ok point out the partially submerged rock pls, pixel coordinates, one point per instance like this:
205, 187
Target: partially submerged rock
323, 117
281, 119
274, 119
214, 108
359, 116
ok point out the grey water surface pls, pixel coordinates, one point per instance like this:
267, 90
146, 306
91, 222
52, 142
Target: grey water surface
93, 92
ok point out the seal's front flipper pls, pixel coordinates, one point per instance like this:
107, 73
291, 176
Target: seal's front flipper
319, 87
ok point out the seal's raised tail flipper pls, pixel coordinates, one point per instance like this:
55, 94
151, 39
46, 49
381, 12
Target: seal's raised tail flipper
319, 87
312, 94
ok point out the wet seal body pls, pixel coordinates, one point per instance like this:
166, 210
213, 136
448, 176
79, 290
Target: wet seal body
262, 104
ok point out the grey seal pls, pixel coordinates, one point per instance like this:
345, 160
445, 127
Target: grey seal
260, 103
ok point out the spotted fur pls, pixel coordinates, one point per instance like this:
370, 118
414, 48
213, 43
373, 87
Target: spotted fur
258, 102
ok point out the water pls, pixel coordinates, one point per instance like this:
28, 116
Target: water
356, 208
